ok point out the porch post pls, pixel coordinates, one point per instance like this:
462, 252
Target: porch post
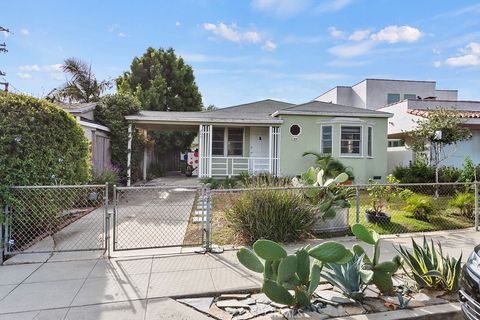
145, 154
129, 155
210, 136
270, 145
200, 151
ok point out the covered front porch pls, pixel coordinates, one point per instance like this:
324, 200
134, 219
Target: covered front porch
226, 147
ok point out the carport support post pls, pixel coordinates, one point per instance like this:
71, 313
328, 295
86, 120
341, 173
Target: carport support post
129, 155
145, 135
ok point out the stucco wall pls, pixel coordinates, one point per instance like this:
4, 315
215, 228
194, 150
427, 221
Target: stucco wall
291, 150
377, 91
458, 152
446, 94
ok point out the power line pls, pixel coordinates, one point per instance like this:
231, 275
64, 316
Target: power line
3, 49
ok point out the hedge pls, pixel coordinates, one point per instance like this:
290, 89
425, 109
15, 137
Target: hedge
40, 144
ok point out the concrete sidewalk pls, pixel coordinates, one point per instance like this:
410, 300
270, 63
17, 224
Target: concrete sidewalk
124, 287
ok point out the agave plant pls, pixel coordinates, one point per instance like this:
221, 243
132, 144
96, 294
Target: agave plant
283, 272
430, 268
325, 192
381, 272
350, 277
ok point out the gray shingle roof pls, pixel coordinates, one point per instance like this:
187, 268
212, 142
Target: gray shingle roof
77, 107
259, 111
331, 109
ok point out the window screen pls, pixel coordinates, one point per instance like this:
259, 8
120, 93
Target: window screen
326, 140
350, 140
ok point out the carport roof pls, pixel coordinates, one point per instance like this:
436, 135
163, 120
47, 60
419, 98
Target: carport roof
255, 113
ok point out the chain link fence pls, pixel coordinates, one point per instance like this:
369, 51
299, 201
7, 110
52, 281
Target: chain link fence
153, 217
55, 218
386, 208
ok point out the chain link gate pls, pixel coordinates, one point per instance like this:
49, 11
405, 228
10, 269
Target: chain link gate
46, 219
148, 217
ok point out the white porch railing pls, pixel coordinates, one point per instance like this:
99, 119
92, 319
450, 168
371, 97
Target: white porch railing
232, 166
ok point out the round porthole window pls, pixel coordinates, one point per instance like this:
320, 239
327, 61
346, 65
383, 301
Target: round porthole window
295, 130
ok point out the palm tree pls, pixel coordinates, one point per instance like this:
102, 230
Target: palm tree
82, 86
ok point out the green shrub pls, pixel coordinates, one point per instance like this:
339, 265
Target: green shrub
109, 175
420, 206
39, 144
278, 215
262, 180
111, 112
417, 172
465, 202
448, 174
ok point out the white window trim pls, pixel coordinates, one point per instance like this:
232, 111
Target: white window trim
343, 155
225, 143
321, 137
370, 156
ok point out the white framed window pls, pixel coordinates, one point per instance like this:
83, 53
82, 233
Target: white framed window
326, 140
235, 142
351, 140
218, 141
227, 141
370, 142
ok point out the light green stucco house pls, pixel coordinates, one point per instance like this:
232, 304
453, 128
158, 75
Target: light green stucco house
271, 136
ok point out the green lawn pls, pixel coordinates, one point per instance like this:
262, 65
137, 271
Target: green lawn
445, 218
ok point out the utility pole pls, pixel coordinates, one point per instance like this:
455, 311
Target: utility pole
3, 49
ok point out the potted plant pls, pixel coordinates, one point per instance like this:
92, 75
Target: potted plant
380, 195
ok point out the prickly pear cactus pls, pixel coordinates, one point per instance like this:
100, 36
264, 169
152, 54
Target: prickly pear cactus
283, 272
382, 272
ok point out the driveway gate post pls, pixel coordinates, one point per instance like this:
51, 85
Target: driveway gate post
107, 222
208, 219
3, 235
357, 204
476, 205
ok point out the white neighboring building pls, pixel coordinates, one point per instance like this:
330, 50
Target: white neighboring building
407, 112
377, 93
409, 101
96, 133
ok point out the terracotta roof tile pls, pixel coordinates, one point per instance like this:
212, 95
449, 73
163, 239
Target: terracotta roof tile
462, 113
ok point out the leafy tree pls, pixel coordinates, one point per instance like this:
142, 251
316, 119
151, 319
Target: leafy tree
210, 107
163, 82
82, 86
111, 112
39, 144
442, 129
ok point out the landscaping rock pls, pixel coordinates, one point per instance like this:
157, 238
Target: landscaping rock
332, 311
238, 296
376, 305
219, 313
335, 296
235, 311
369, 293
393, 300
324, 286
232, 303
272, 316
278, 305
354, 310
201, 304
246, 316
308, 315
261, 309
426, 299
261, 298
248, 301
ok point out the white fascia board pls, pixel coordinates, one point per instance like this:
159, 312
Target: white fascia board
93, 125
339, 114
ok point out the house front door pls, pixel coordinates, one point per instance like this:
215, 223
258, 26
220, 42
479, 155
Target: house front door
258, 142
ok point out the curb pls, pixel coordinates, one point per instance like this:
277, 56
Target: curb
451, 311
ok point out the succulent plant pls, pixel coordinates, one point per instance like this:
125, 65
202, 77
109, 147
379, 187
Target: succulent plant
325, 192
283, 273
381, 272
350, 277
